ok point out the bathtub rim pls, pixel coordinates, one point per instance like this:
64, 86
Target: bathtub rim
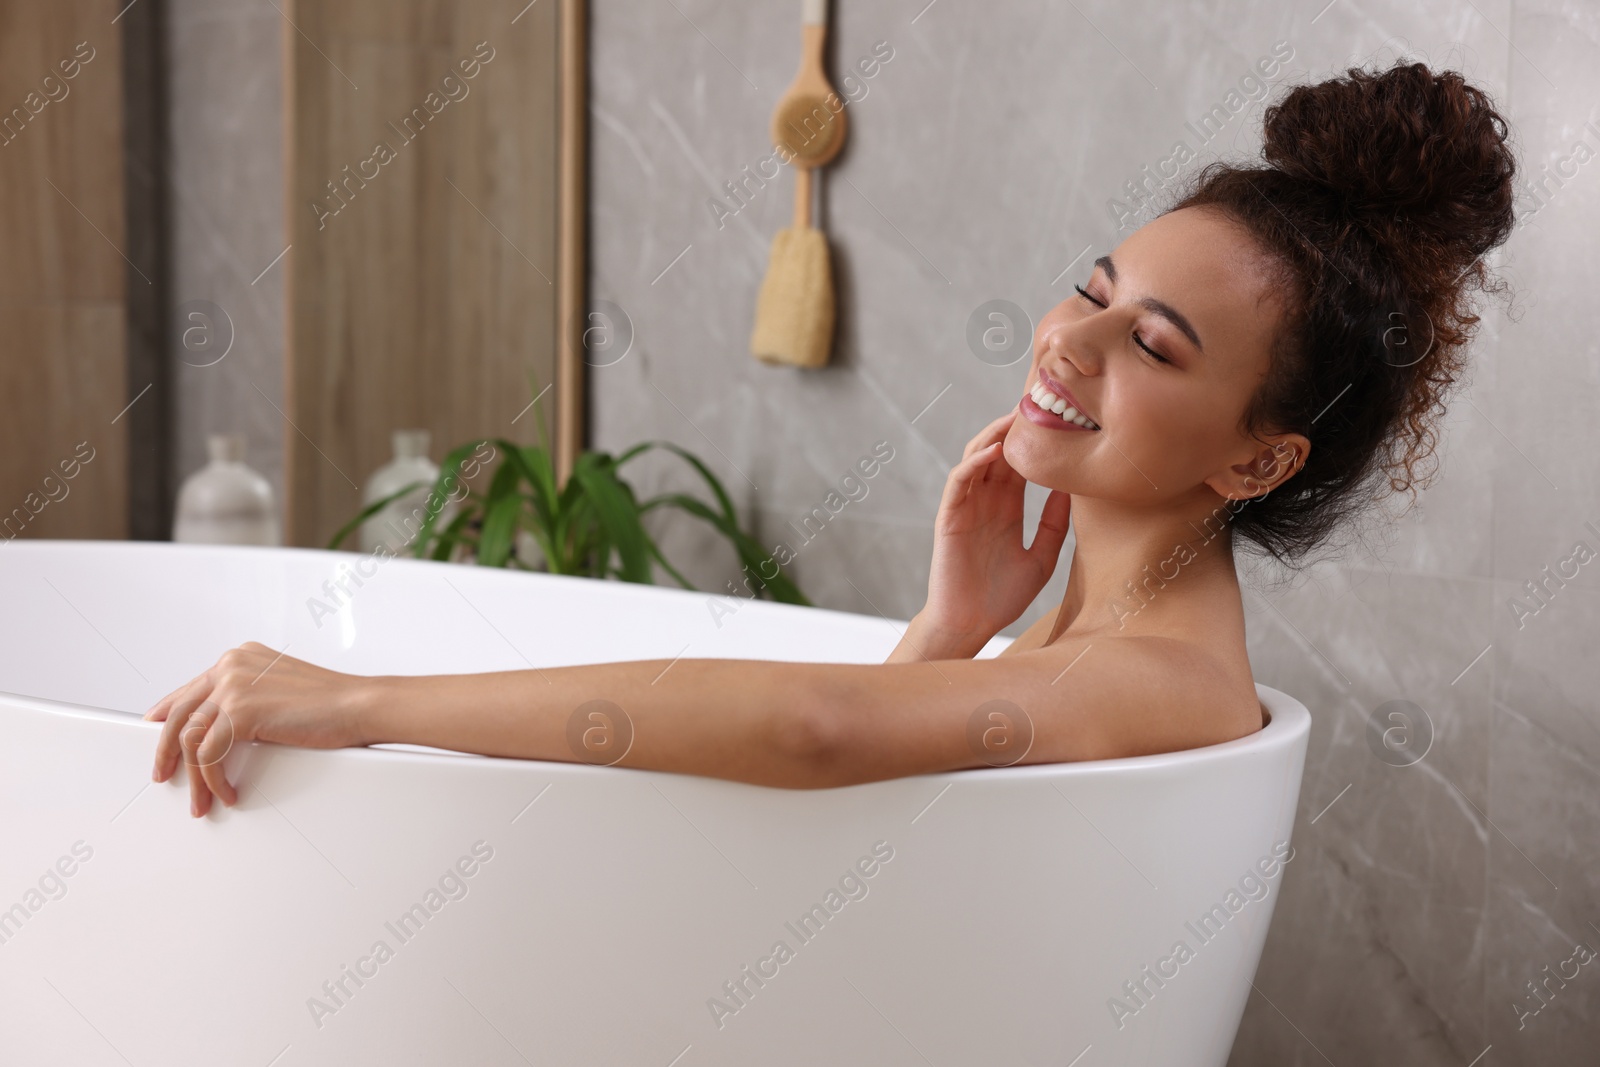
467, 571
1288, 720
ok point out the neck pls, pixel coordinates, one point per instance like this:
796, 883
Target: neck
1129, 562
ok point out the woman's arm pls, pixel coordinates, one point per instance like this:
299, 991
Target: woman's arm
924, 641
981, 578
789, 725
747, 720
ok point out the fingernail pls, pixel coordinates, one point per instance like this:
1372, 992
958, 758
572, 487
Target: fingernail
194, 807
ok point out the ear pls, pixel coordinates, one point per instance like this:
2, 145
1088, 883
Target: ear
1275, 459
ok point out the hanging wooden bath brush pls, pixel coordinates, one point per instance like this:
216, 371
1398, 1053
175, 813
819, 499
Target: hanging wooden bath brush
794, 311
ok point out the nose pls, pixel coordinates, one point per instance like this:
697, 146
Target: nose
1073, 343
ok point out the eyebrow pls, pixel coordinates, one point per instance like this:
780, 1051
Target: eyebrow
1159, 307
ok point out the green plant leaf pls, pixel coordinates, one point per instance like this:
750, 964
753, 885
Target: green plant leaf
540, 531
538, 410
370, 510
590, 525
655, 551
541, 478
452, 536
546, 523
449, 471
709, 478
751, 554
617, 513
499, 530
642, 446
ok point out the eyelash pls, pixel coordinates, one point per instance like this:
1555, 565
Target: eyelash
1152, 353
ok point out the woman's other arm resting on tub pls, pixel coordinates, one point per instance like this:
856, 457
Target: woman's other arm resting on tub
805, 725
792, 725
783, 724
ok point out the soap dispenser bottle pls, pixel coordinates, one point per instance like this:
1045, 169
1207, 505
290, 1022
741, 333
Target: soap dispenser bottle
395, 525
225, 502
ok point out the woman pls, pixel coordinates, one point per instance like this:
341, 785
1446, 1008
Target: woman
1257, 363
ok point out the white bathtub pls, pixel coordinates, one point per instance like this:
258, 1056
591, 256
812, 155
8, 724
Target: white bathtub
605, 908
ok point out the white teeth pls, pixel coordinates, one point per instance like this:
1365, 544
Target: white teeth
1052, 403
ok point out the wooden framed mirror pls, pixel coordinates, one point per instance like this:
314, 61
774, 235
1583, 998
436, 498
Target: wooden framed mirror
434, 204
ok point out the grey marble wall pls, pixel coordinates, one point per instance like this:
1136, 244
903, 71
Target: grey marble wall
225, 168
1424, 899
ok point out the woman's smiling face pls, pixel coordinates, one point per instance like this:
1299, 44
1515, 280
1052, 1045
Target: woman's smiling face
1161, 350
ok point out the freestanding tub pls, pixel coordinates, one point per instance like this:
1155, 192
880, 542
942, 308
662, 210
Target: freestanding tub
401, 905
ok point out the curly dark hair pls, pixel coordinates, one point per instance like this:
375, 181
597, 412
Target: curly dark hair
1381, 193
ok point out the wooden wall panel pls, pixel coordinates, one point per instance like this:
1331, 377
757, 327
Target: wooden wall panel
62, 276
422, 289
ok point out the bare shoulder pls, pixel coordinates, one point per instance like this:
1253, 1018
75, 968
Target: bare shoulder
1138, 694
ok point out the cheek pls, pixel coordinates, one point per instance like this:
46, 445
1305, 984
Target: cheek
1171, 432
1184, 432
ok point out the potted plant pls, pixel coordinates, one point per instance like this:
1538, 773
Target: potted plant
592, 526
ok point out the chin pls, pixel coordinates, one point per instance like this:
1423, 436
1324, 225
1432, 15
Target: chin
1028, 450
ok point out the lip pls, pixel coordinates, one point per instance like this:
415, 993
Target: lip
1035, 413
1048, 419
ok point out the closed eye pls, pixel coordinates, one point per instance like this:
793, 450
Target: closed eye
1085, 294
1157, 356
1152, 353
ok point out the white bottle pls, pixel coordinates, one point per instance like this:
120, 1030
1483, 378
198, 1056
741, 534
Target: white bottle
397, 523
226, 502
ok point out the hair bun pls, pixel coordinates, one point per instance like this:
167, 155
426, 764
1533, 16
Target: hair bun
1407, 152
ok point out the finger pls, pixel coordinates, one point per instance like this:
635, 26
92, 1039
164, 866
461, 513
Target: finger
990, 433
208, 757
971, 469
192, 738
1002, 471
999, 472
963, 474
168, 744
1052, 532
158, 711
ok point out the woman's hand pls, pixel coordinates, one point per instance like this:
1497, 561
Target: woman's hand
252, 693
982, 578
